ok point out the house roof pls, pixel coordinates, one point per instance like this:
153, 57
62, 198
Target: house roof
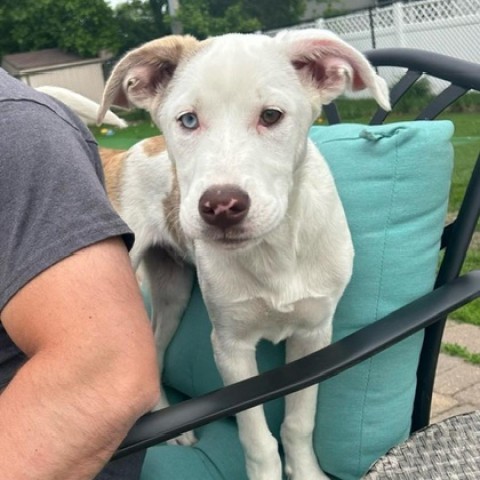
43, 60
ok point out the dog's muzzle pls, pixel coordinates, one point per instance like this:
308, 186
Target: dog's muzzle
224, 206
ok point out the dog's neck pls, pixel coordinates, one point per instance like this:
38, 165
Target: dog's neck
280, 263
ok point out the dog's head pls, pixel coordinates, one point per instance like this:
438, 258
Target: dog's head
235, 111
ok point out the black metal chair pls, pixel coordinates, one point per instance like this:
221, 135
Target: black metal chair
428, 312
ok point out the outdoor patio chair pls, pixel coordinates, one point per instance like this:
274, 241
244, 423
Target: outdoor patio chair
376, 378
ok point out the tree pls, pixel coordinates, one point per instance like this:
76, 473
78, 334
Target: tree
159, 9
213, 17
203, 18
140, 21
84, 27
273, 14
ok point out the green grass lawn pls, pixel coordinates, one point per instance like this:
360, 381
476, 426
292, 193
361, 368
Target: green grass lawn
126, 137
466, 143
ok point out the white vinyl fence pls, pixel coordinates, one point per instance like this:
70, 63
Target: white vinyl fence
451, 27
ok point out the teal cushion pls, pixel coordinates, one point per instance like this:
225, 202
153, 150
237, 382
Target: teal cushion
394, 182
217, 451
395, 191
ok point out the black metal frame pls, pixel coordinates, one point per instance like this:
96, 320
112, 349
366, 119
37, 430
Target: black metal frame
428, 312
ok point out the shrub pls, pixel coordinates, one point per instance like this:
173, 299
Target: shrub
416, 97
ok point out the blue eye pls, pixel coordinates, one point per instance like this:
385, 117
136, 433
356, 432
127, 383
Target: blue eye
189, 120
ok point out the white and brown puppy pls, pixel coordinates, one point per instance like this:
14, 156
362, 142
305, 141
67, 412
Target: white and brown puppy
240, 191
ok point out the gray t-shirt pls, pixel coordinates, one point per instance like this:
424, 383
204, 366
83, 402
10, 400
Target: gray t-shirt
52, 198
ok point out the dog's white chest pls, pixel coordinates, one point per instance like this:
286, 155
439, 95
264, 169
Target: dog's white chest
261, 301
303, 317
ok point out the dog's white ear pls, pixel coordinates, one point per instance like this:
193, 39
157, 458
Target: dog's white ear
331, 66
143, 74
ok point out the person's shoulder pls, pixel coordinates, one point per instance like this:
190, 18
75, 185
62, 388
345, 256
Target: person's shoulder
16, 97
38, 133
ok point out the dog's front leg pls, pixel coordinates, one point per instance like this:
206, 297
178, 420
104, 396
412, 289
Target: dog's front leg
170, 284
300, 407
236, 361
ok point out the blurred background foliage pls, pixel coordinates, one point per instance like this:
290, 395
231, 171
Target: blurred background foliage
86, 27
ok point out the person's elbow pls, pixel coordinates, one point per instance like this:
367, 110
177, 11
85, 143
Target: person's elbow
138, 380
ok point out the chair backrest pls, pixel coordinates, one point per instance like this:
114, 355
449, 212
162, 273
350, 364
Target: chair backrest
462, 77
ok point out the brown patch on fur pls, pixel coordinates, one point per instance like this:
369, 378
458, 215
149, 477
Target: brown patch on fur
145, 71
171, 210
154, 146
113, 162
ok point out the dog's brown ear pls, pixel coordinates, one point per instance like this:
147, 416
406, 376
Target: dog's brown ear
143, 74
331, 66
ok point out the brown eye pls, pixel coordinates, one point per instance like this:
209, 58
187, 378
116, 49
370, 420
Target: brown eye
270, 116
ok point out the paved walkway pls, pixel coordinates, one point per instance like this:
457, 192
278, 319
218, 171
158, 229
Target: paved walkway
457, 385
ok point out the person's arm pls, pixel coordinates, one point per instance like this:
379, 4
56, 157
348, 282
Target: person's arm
91, 370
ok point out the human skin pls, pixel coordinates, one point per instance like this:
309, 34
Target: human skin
91, 369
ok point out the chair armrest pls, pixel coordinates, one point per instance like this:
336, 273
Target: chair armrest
165, 424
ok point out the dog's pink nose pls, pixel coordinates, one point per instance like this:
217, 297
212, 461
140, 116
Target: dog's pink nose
224, 206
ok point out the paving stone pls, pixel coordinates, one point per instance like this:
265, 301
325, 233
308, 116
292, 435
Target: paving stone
447, 362
469, 395
457, 382
442, 403
463, 334
456, 379
451, 412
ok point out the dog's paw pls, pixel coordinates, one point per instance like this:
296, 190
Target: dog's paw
186, 439
269, 469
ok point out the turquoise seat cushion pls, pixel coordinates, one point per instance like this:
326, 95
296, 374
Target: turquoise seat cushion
218, 452
394, 182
